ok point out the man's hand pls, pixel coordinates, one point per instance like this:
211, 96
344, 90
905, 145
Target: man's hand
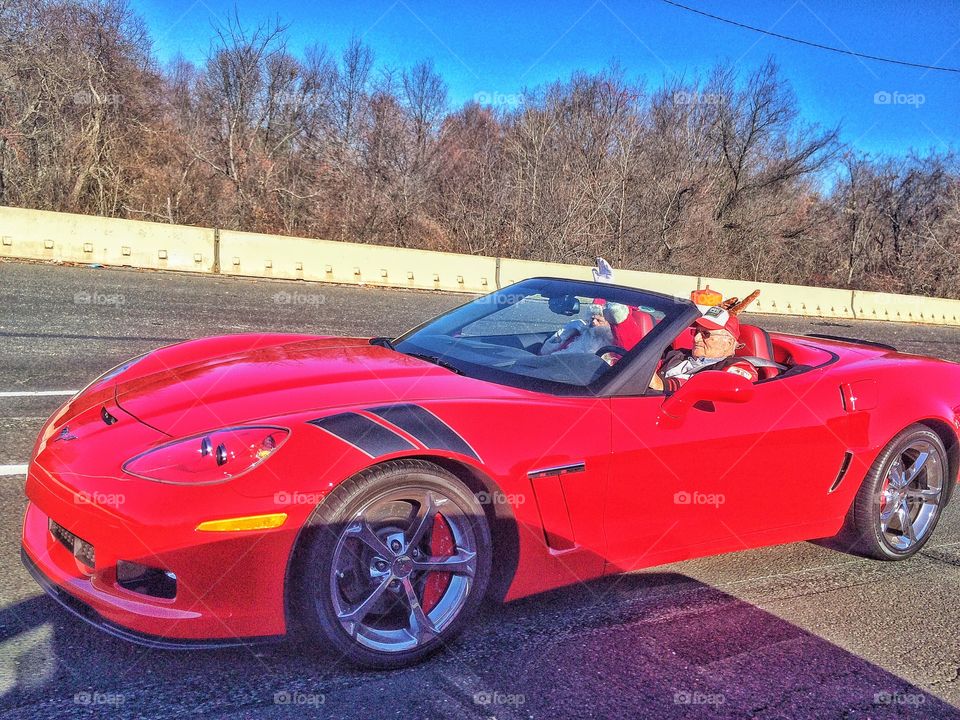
656, 383
567, 332
603, 272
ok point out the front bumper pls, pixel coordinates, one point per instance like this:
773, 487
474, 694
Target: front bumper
230, 585
79, 609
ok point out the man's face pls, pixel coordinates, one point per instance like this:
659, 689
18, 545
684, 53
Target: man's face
598, 320
713, 343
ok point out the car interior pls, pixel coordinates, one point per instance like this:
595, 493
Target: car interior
511, 336
755, 341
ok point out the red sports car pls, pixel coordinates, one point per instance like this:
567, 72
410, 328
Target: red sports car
369, 493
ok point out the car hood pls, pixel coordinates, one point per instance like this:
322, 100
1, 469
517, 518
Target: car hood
196, 386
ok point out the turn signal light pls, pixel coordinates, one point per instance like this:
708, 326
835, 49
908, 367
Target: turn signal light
250, 522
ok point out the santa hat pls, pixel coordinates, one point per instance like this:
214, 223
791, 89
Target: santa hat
616, 312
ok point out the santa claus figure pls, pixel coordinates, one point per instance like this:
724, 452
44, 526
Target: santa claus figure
579, 336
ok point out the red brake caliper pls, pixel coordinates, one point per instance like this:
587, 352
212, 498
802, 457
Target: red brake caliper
441, 545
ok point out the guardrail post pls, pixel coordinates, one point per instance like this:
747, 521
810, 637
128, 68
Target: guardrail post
216, 251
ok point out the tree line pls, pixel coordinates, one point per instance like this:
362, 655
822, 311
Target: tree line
715, 175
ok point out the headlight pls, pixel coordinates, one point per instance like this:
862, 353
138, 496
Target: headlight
208, 458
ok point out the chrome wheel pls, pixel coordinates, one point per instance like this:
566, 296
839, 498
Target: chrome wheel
910, 495
403, 568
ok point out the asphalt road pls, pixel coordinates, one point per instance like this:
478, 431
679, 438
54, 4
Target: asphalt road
794, 631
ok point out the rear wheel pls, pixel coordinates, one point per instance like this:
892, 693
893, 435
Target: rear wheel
898, 505
395, 562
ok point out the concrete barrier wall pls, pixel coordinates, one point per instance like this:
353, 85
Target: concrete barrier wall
778, 299
41, 235
906, 308
296, 258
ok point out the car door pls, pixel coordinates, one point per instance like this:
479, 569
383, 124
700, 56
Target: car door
727, 476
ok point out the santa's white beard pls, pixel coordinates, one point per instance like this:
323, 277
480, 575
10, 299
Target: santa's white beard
590, 340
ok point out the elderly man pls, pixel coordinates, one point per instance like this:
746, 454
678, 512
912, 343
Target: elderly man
715, 339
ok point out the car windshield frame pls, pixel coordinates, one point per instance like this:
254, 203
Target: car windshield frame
434, 338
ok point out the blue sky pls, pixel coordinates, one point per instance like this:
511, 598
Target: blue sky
492, 50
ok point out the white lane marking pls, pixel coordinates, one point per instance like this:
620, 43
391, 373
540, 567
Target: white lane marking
13, 470
36, 393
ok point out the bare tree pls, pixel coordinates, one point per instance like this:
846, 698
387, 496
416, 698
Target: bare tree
714, 174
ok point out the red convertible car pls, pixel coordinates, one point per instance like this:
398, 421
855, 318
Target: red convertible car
368, 494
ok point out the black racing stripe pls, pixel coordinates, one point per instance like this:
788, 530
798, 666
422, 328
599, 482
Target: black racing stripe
371, 437
425, 427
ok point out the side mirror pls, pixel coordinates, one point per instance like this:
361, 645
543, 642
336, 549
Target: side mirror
711, 386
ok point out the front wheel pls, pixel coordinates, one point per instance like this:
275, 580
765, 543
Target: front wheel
395, 561
900, 501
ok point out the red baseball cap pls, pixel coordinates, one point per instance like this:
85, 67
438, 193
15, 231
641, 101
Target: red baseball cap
716, 318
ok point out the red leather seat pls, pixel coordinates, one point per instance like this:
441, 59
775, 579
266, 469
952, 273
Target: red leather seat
684, 341
633, 329
756, 342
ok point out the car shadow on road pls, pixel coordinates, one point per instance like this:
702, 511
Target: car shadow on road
652, 644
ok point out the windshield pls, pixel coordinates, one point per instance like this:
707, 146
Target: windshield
543, 334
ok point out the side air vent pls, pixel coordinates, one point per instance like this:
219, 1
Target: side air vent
106, 416
844, 466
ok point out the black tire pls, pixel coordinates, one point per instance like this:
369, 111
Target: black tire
333, 535
863, 531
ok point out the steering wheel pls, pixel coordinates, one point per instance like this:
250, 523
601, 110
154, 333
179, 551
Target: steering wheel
611, 354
